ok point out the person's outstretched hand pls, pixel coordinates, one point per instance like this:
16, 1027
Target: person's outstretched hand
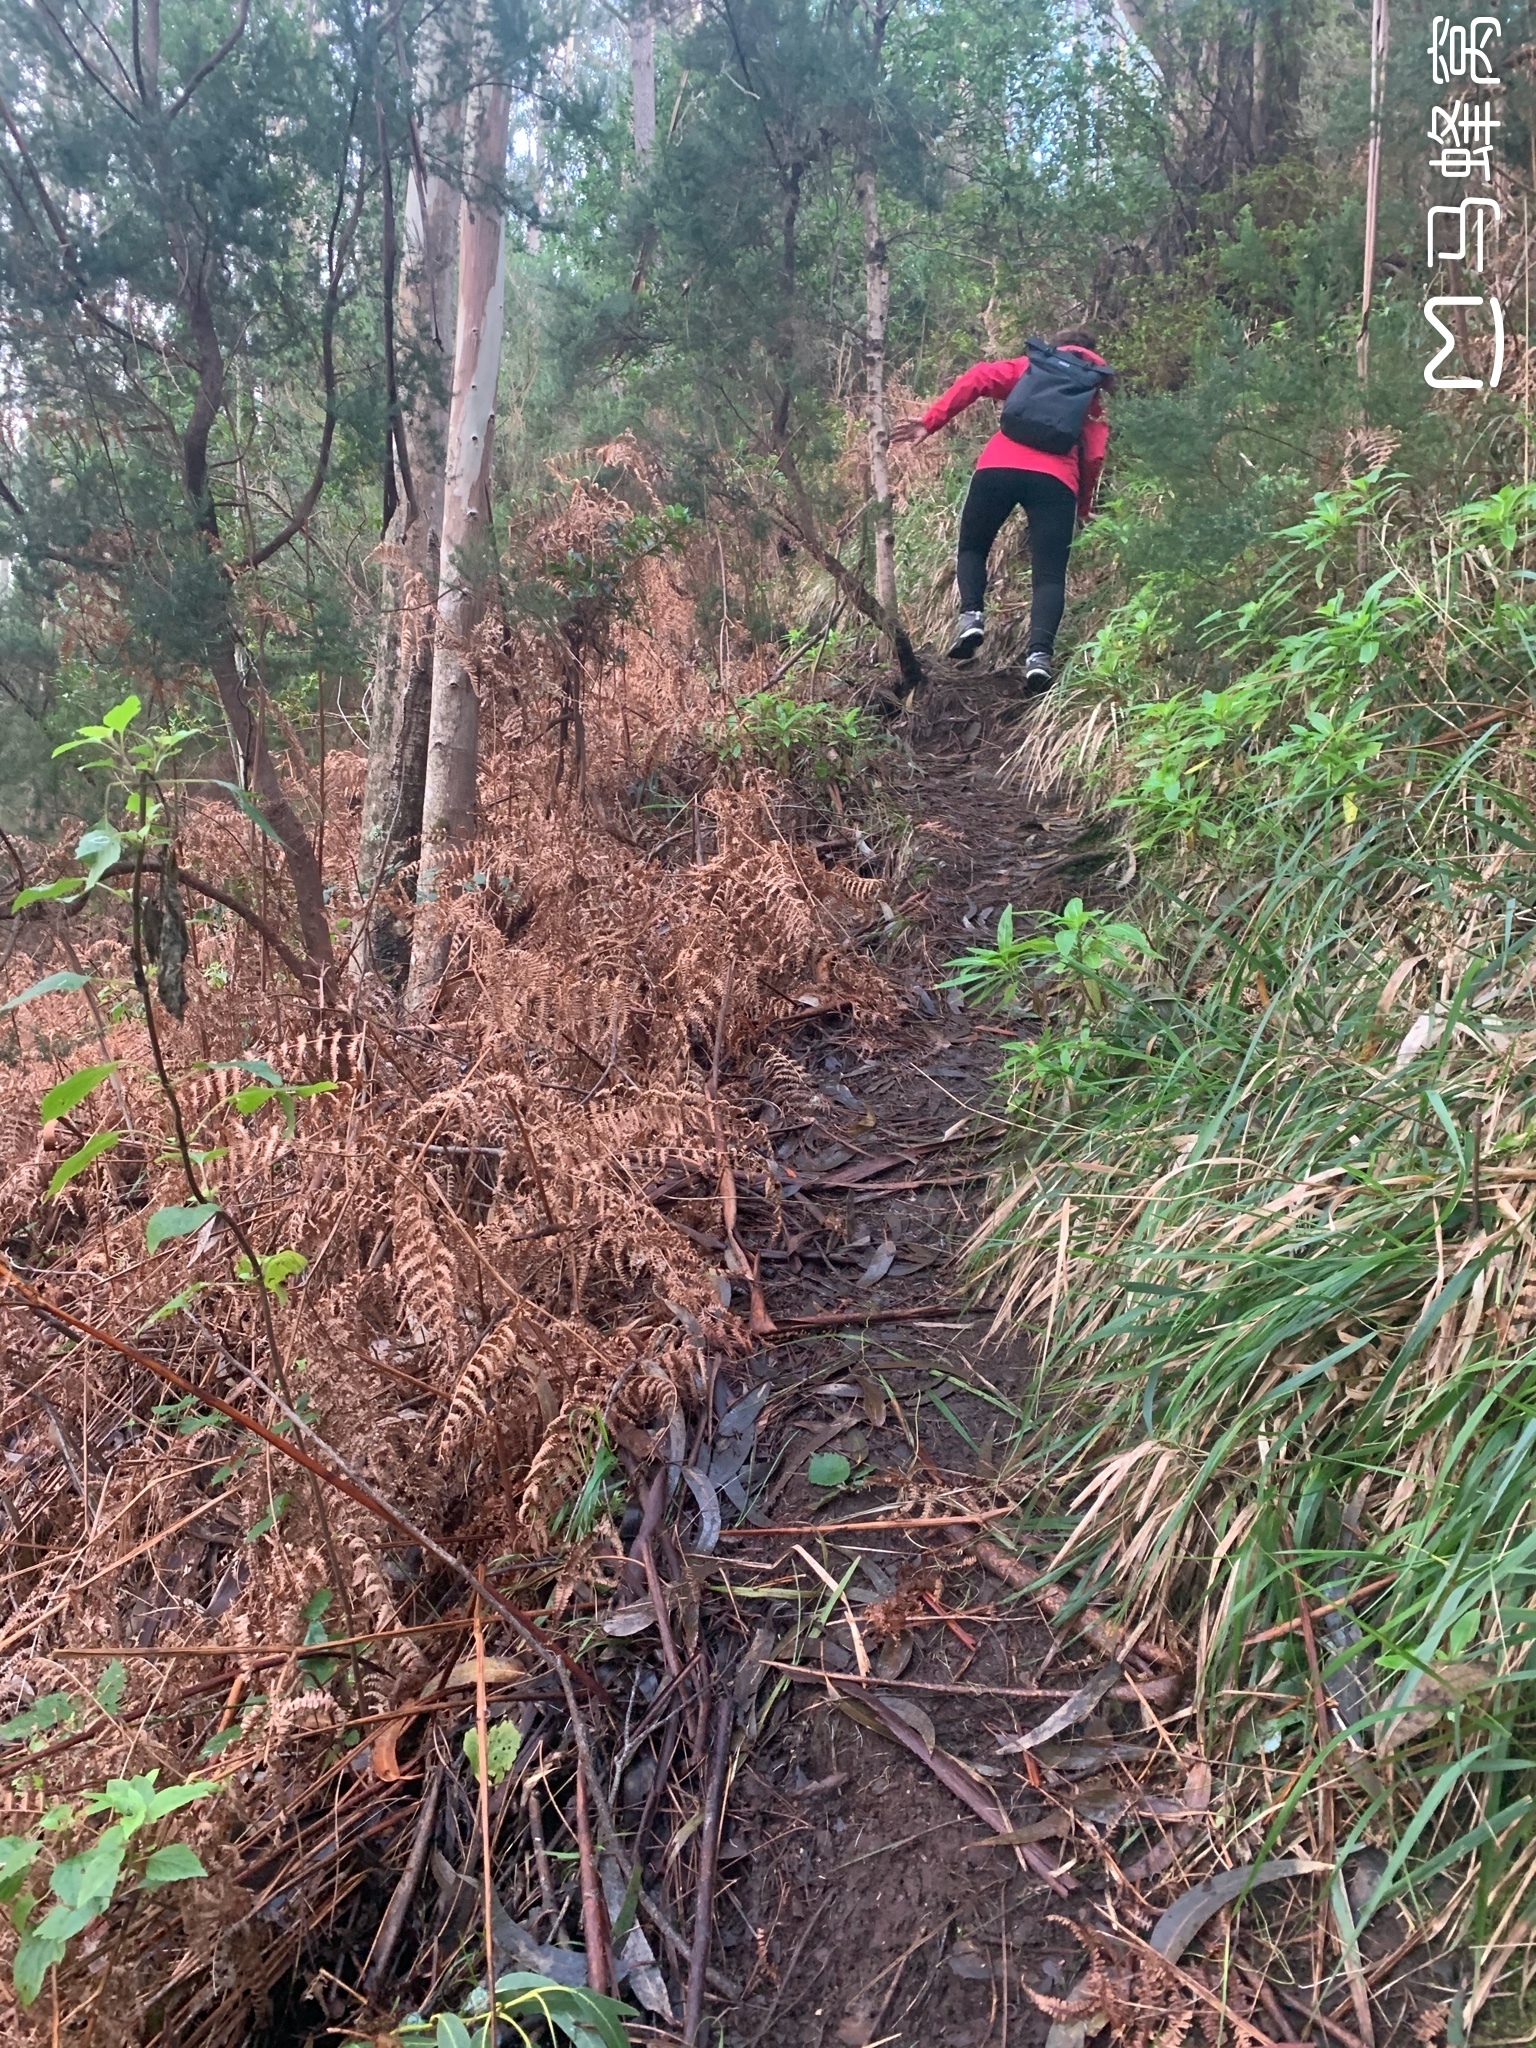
908, 430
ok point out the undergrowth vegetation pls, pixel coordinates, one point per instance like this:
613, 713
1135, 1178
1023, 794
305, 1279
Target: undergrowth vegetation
431, 1258
1269, 1190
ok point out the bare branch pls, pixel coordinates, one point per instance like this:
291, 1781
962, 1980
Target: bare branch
213, 63
336, 265
229, 901
106, 43
83, 61
55, 218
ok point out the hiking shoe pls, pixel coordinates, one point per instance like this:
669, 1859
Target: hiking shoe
1037, 673
970, 631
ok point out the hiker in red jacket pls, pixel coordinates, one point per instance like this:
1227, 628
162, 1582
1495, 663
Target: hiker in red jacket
1055, 490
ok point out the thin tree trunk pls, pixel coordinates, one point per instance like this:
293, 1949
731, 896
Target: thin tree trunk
642, 83
255, 768
877, 306
257, 771
1379, 27
448, 808
799, 519
402, 687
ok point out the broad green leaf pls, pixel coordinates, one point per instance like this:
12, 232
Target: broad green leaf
265, 1524
122, 715
248, 1100
225, 1739
502, 1743
452, 2032
77, 1162
69, 1093
128, 1798
100, 848
829, 1468
17, 1855
259, 1068
257, 816
313, 1612
50, 985
280, 1267
85, 1883
171, 1798
61, 1923
171, 1865
583, 2016
34, 1959
111, 1686
45, 1712
177, 1222
46, 892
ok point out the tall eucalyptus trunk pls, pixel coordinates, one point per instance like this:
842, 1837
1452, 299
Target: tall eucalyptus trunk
466, 567
642, 82
877, 307
402, 684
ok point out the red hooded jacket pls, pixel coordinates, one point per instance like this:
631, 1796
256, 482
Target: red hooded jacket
996, 380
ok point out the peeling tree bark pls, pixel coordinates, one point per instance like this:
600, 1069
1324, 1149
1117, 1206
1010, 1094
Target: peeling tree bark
448, 808
402, 684
877, 306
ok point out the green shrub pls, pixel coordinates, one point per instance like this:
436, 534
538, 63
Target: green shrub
111, 1865
813, 744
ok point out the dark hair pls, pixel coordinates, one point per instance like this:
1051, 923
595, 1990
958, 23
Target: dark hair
1075, 337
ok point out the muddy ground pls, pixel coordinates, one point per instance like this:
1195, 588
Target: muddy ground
861, 1900
865, 1901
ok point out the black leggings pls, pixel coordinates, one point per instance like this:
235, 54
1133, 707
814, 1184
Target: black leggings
1051, 509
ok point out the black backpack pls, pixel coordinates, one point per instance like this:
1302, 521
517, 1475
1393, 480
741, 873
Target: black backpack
1047, 407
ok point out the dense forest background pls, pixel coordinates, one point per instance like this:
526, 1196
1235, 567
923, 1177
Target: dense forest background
228, 305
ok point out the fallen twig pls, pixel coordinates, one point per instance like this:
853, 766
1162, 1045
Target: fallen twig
840, 1319
541, 1864
483, 1809
608, 1835
806, 1673
871, 1527
1112, 1637
1293, 1626
709, 1847
378, 1635
391, 1926
594, 1914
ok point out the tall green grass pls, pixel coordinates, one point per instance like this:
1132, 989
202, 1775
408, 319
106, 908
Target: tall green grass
1270, 1194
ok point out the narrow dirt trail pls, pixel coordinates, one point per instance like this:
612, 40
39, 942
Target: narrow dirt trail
861, 1901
